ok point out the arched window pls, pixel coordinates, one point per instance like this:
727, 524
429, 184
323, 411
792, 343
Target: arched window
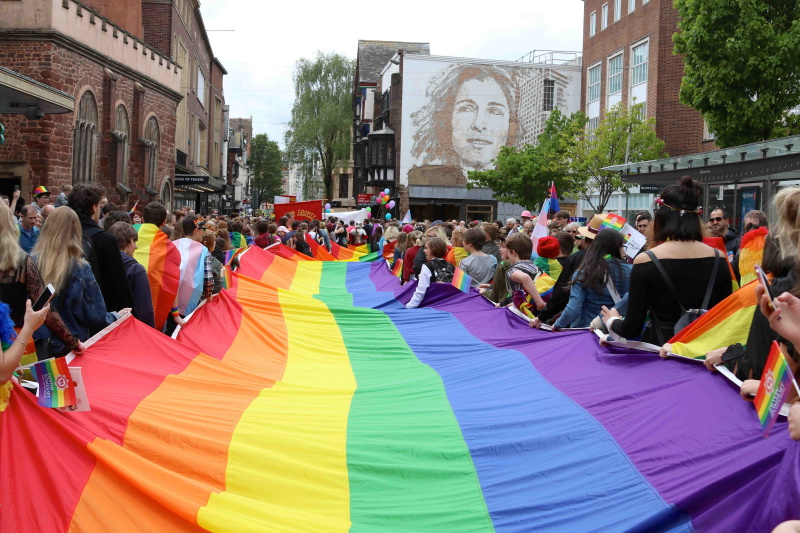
122, 134
84, 144
166, 195
151, 140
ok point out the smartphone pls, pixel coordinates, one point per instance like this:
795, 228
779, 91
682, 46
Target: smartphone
45, 298
764, 280
16, 187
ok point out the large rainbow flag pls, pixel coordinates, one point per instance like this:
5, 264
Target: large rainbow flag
726, 323
324, 405
162, 260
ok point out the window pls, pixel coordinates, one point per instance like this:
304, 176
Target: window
84, 146
639, 66
166, 196
594, 83
201, 86
592, 23
617, 10
122, 134
151, 140
549, 95
202, 144
604, 17
181, 131
216, 155
592, 125
631, 6
708, 135
344, 186
615, 75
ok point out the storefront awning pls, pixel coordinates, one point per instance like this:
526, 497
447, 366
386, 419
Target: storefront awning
20, 94
199, 183
734, 164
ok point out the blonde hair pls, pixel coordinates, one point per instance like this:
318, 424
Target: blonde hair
391, 233
414, 239
440, 233
60, 247
11, 253
787, 227
456, 239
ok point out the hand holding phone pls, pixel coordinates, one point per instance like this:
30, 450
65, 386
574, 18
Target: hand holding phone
44, 298
764, 281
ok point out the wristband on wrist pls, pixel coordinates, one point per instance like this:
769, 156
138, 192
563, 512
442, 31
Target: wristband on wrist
175, 312
608, 324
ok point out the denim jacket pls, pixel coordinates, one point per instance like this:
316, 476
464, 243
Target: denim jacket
584, 303
81, 306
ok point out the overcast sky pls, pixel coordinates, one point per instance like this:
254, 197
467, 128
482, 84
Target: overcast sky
270, 36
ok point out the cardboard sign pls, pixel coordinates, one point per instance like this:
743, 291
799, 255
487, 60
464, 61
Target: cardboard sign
634, 241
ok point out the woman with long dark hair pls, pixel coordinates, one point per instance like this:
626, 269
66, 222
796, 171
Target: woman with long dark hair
676, 273
601, 280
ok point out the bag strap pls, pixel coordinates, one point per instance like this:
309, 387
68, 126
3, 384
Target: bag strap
713, 279
664, 275
612, 290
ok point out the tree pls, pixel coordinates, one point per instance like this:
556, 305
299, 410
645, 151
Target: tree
741, 66
266, 163
620, 137
322, 113
522, 176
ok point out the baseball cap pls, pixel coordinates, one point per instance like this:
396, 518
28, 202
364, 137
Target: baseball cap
283, 229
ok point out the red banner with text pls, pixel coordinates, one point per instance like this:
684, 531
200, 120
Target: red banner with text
300, 210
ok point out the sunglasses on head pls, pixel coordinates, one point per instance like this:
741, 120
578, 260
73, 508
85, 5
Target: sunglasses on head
715, 219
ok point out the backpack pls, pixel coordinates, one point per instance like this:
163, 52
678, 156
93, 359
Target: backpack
441, 270
687, 315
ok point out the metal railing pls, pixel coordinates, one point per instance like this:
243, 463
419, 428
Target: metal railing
552, 57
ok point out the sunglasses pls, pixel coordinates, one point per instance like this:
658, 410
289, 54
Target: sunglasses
716, 219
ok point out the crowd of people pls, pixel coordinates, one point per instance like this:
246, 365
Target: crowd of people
86, 248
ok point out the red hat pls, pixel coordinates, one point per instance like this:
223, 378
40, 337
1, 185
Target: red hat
548, 247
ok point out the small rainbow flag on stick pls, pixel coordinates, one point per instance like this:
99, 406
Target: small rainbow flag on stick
397, 270
56, 388
773, 389
461, 280
614, 222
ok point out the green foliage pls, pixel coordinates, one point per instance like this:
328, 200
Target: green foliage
742, 66
523, 176
266, 163
608, 145
322, 114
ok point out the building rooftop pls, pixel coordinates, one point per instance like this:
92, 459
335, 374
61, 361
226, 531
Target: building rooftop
373, 56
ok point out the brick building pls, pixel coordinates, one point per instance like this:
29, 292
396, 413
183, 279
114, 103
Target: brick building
121, 130
628, 56
176, 29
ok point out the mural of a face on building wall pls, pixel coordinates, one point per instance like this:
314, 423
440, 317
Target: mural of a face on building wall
470, 112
